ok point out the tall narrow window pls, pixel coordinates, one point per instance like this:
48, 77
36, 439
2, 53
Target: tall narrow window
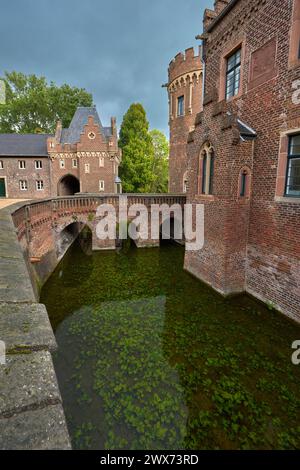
293, 167
62, 164
207, 176
74, 163
233, 74
22, 164
38, 164
101, 185
204, 167
180, 106
1, 165
243, 184
101, 162
87, 168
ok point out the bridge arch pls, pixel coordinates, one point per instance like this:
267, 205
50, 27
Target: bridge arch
68, 185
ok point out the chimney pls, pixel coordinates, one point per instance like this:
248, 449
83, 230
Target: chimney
114, 126
58, 131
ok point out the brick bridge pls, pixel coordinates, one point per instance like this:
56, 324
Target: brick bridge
46, 228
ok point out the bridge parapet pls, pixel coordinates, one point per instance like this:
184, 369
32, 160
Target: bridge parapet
39, 224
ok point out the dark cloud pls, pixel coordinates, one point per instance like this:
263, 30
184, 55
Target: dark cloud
118, 50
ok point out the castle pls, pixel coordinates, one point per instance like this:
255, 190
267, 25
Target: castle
84, 158
242, 151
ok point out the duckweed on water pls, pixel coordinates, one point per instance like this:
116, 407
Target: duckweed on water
150, 358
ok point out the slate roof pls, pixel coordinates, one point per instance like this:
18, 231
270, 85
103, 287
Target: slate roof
80, 119
24, 145
247, 133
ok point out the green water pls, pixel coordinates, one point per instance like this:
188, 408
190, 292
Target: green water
150, 358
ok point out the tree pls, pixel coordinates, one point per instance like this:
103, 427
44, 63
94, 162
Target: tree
135, 141
160, 162
32, 105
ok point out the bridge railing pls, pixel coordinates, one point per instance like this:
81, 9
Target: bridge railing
39, 212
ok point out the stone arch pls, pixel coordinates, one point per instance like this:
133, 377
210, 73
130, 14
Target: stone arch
68, 185
66, 234
206, 168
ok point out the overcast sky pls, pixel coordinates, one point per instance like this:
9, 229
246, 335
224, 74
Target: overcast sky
119, 50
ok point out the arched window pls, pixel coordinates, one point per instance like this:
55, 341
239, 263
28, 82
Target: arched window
206, 173
244, 185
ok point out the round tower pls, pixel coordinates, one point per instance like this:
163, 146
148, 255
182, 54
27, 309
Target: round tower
185, 102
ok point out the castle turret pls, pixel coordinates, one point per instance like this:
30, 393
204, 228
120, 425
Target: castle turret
185, 101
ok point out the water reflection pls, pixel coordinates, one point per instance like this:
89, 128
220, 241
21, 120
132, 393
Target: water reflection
150, 358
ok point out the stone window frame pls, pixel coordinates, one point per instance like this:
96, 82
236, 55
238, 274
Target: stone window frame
39, 185
229, 51
294, 51
23, 185
62, 164
181, 97
87, 168
101, 162
38, 164
22, 164
206, 170
101, 185
1, 165
74, 163
280, 192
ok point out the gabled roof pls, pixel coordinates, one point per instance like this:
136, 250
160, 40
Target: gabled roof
80, 119
24, 145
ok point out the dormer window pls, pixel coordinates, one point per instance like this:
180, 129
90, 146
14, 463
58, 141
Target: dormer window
233, 74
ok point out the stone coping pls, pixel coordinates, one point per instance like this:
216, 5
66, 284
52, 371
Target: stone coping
31, 411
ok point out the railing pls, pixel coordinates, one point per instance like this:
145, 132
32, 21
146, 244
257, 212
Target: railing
36, 213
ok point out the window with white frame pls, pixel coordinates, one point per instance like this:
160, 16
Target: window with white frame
39, 185
22, 164
74, 163
87, 168
38, 164
101, 185
23, 185
62, 164
101, 161
1, 165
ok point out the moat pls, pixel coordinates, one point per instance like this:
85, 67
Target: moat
150, 358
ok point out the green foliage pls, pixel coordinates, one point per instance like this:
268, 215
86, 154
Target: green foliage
136, 170
160, 162
34, 106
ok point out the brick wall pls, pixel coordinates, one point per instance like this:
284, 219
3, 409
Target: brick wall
252, 243
13, 175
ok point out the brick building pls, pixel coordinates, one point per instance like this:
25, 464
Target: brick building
244, 154
83, 158
185, 102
